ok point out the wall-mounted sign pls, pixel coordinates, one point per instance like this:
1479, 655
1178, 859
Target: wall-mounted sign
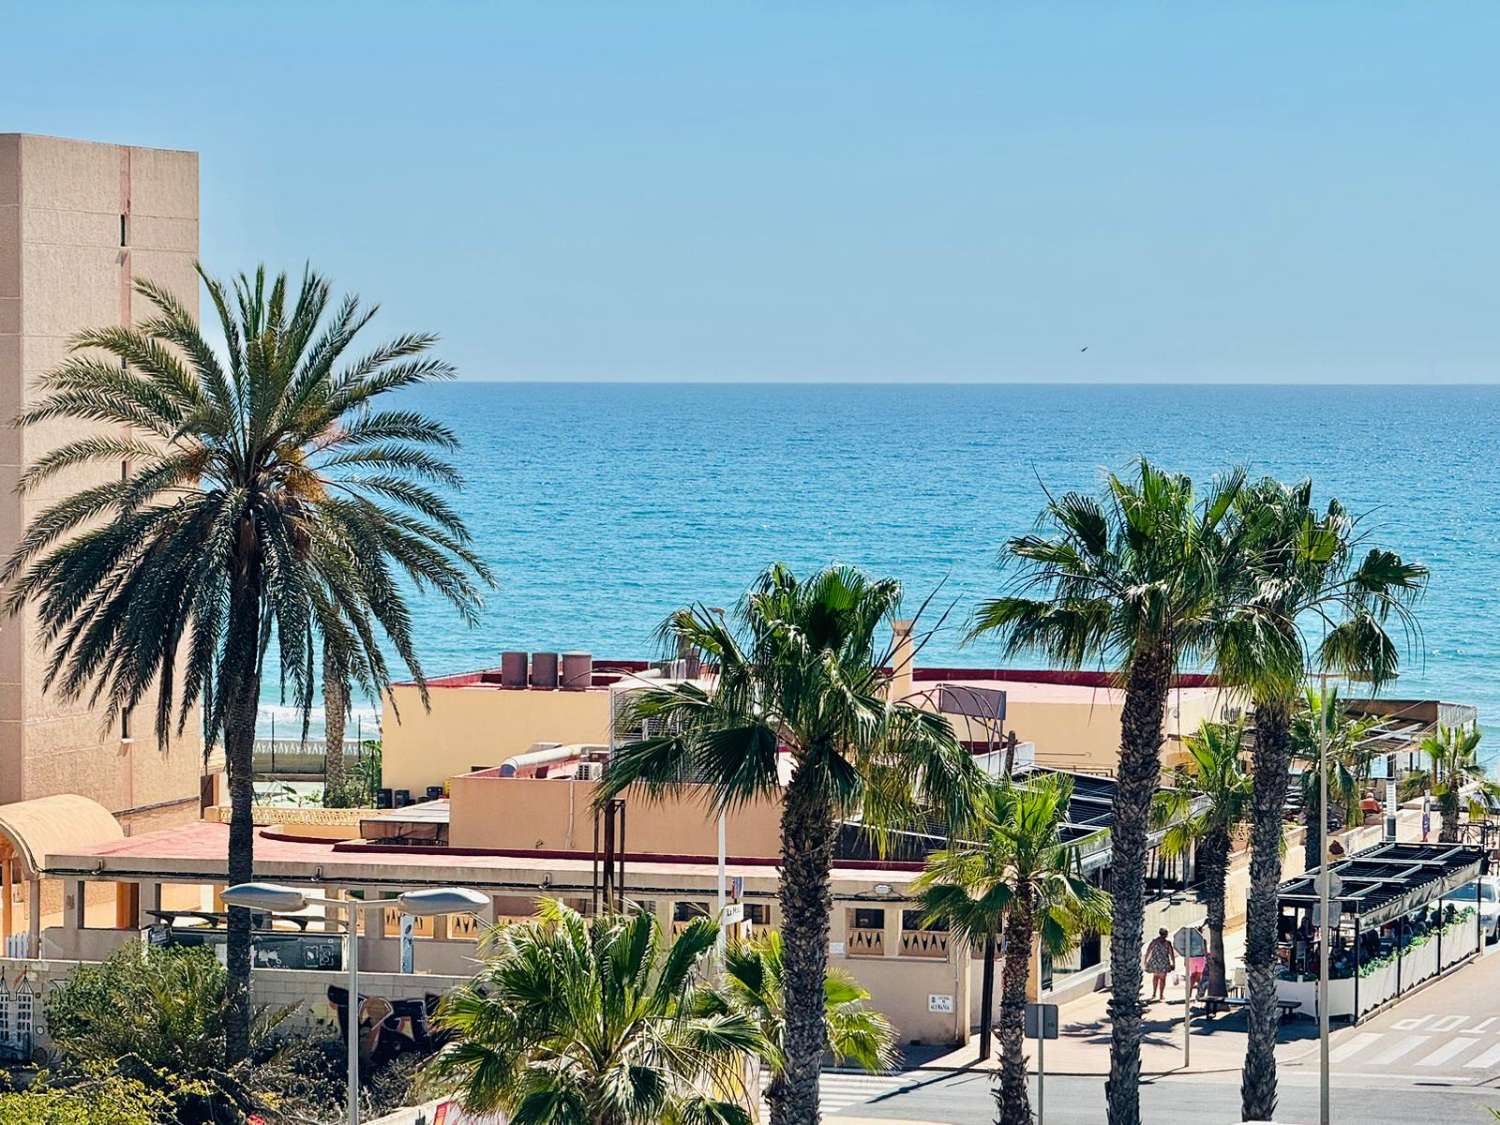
937, 1002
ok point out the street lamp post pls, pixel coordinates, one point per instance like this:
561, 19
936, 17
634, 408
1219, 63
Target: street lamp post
1324, 933
271, 898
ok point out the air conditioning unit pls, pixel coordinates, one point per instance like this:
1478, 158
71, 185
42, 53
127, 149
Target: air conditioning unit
588, 771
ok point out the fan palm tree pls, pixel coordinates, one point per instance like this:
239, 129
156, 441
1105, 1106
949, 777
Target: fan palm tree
596, 1021
265, 494
1303, 573
1141, 581
1202, 813
1010, 867
803, 673
1347, 759
753, 984
1453, 755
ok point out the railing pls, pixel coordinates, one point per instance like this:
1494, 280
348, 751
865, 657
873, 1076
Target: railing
865, 943
929, 944
292, 757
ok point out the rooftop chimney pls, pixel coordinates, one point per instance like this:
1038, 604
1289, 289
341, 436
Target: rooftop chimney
513, 669
577, 671
544, 670
901, 659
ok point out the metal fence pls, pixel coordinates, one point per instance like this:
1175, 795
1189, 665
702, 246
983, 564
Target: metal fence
293, 758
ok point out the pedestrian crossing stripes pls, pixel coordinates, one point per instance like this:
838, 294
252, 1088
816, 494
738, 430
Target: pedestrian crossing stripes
1353, 1046
837, 1091
1425, 1043
1447, 1051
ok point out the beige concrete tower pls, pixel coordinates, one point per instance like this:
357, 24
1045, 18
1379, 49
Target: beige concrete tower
79, 221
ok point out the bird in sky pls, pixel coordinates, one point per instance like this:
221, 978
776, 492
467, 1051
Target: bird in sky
1084, 348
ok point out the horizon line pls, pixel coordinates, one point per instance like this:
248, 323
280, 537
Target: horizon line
568, 381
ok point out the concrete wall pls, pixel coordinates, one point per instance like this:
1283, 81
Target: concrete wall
482, 725
557, 815
66, 265
479, 725
1084, 734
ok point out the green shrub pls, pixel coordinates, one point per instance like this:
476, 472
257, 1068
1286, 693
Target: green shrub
99, 1098
155, 1017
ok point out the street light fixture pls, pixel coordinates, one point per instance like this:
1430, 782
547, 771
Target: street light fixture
273, 898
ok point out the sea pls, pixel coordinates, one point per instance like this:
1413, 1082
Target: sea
602, 507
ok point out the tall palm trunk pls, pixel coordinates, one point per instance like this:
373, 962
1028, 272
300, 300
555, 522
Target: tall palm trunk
807, 836
1140, 775
1213, 867
1272, 766
335, 707
240, 684
1011, 1096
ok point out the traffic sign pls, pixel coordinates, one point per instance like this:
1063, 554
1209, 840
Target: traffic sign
1189, 942
1041, 1021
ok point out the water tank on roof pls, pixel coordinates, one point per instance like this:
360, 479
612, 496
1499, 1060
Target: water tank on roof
513, 669
544, 670
577, 671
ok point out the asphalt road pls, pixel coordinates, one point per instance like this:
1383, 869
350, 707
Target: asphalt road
962, 1099
1432, 1059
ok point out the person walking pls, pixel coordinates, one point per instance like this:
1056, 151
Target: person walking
1160, 960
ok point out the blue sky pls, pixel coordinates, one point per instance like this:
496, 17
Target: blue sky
822, 191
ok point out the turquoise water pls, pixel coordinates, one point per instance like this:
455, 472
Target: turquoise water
603, 506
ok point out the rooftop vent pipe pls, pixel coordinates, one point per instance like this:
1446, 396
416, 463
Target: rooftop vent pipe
577, 671
544, 670
513, 669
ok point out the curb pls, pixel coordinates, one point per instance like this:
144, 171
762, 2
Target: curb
976, 1067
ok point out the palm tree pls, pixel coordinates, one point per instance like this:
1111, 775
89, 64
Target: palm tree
802, 674
1302, 568
754, 985
1202, 813
265, 494
1141, 581
1347, 757
597, 1021
335, 712
1011, 866
1454, 756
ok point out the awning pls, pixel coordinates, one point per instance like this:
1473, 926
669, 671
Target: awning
1389, 880
59, 824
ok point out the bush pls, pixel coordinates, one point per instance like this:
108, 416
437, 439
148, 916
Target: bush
96, 1099
155, 1017
360, 787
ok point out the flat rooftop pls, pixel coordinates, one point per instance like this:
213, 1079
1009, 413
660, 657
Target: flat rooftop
1022, 685
198, 852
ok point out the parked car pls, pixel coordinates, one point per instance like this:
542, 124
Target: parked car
1486, 892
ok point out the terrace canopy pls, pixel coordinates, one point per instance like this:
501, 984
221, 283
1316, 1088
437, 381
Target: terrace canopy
32, 830
1391, 930
1390, 880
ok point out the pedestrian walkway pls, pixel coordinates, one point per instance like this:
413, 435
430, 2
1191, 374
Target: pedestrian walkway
838, 1090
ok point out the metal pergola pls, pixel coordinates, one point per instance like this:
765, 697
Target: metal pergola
1387, 882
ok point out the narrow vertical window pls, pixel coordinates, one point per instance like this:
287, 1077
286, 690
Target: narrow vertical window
124, 230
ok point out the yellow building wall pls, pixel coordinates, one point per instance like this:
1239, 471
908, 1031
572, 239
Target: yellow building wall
556, 815
1084, 735
479, 726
